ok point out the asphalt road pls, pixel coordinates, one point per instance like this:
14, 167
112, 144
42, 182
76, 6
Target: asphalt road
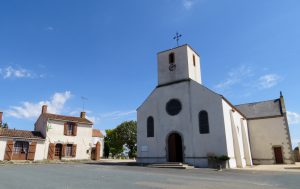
90, 176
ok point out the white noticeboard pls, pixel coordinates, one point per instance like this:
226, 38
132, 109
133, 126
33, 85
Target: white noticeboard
144, 148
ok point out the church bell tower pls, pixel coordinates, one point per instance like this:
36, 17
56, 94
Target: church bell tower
177, 64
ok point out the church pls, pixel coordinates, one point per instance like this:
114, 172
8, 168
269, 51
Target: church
184, 121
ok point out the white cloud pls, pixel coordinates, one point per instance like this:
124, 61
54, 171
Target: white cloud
29, 110
117, 114
11, 72
188, 4
293, 117
49, 28
295, 142
235, 76
268, 81
247, 79
91, 118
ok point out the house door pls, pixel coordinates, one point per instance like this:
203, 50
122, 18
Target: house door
175, 148
278, 155
58, 151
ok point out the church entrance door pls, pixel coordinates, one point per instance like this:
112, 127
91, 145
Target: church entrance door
175, 148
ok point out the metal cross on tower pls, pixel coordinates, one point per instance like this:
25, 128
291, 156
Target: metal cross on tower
177, 37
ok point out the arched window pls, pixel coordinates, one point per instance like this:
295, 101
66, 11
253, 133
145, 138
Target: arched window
203, 122
194, 60
150, 127
171, 58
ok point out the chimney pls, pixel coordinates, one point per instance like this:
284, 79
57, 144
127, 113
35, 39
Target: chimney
1, 114
44, 109
82, 115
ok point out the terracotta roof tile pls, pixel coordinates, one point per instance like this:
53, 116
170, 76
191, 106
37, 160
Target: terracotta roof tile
67, 118
97, 133
20, 134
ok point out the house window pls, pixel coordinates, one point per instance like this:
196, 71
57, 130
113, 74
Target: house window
20, 147
203, 122
150, 127
171, 58
69, 150
70, 128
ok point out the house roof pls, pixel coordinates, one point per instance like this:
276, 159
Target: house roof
97, 133
270, 108
67, 118
12, 133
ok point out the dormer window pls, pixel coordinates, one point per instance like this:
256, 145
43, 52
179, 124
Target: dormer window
172, 58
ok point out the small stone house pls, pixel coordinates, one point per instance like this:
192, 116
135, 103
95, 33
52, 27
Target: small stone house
66, 137
21, 145
55, 137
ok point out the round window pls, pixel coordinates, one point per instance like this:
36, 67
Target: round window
173, 107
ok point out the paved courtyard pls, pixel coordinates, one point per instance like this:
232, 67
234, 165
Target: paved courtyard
90, 176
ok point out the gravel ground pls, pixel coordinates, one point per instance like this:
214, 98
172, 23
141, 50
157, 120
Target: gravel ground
90, 176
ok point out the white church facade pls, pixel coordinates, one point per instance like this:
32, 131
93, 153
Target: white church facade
184, 121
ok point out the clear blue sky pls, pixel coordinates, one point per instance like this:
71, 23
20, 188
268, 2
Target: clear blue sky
55, 51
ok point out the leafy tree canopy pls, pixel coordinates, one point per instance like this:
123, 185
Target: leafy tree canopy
123, 135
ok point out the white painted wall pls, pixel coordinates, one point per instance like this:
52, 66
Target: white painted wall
39, 151
83, 139
184, 65
41, 125
194, 98
237, 139
2, 148
264, 135
201, 98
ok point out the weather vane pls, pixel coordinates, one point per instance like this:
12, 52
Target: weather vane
177, 37
83, 99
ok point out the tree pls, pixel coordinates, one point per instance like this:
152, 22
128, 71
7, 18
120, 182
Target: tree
106, 147
127, 132
113, 142
4, 125
123, 135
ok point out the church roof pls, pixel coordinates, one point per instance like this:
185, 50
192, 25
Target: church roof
270, 108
